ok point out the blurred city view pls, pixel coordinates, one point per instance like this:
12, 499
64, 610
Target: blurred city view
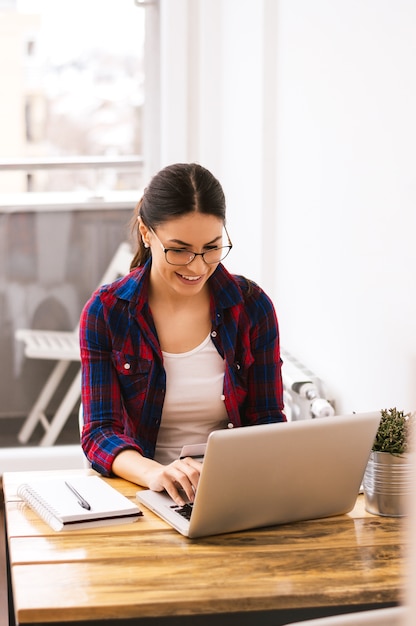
72, 85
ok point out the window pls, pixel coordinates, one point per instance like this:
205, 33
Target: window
75, 88
71, 168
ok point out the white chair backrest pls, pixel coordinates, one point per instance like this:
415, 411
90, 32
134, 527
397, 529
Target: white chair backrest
119, 264
86, 462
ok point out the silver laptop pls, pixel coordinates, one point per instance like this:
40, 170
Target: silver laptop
274, 474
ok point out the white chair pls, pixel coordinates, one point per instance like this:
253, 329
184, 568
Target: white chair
63, 347
392, 616
86, 463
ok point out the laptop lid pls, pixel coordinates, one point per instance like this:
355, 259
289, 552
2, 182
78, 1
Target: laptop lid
274, 474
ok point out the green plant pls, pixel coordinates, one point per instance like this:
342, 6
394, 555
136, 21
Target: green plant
394, 432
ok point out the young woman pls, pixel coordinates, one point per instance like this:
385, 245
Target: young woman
179, 347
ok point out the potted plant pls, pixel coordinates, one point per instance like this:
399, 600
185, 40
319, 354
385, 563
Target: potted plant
388, 476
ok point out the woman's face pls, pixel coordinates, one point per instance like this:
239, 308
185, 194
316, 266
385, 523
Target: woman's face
194, 232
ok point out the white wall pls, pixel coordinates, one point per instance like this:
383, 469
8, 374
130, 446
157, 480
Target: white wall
346, 195
212, 107
305, 111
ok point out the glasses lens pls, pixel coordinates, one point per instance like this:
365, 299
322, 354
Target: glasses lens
216, 255
178, 257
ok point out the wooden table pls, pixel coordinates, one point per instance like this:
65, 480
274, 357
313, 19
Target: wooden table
147, 570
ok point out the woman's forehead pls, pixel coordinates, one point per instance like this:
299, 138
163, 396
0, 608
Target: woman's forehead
192, 226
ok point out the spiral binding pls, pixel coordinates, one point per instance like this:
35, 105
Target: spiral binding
40, 506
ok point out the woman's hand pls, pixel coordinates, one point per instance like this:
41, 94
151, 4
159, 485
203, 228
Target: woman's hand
180, 476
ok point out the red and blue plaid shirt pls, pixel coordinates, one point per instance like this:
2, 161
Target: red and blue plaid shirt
123, 378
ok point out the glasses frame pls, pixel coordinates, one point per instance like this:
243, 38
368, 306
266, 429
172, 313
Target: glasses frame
195, 254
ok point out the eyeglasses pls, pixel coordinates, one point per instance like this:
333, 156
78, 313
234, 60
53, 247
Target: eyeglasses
179, 256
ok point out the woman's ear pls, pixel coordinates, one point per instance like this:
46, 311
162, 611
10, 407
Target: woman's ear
144, 232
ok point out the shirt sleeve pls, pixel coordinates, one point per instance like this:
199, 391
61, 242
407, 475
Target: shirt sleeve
103, 434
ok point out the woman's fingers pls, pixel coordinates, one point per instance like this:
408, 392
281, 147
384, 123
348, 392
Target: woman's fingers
178, 479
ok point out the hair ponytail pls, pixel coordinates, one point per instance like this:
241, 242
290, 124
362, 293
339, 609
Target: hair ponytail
142, 253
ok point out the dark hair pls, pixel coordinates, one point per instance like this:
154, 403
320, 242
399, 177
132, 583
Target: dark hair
175, 191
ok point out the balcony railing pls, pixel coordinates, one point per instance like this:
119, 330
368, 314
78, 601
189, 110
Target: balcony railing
75, 162
99, 198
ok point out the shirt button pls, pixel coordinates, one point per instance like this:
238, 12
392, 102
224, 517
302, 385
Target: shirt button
222, 397
127, 366
214, 333
230, 425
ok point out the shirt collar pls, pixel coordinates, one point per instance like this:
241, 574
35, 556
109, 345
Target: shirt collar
225, 288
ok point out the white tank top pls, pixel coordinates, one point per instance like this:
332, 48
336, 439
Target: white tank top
194, 401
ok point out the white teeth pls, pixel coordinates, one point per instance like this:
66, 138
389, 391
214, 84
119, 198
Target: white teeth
191, 278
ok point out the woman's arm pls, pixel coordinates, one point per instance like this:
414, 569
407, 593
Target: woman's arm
103, 434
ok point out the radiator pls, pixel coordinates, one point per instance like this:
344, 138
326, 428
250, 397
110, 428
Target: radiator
303, 392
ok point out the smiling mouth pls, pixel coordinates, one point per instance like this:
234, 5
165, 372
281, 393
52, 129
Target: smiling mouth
191, 279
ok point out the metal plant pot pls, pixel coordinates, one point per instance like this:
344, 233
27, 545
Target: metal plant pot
387, 484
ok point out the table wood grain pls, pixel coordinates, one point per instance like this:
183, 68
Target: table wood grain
146, 569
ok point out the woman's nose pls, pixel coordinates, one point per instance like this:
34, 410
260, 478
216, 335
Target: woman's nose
198, 262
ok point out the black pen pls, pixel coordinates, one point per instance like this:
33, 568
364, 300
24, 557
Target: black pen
79, 497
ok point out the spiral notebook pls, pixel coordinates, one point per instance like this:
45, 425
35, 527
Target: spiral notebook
77, 502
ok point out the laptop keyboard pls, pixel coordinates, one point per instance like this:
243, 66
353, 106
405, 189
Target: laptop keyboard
185, 510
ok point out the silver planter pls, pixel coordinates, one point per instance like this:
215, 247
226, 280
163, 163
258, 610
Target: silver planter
387, 484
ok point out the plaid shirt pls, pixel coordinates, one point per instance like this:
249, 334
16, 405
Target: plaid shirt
123, 379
